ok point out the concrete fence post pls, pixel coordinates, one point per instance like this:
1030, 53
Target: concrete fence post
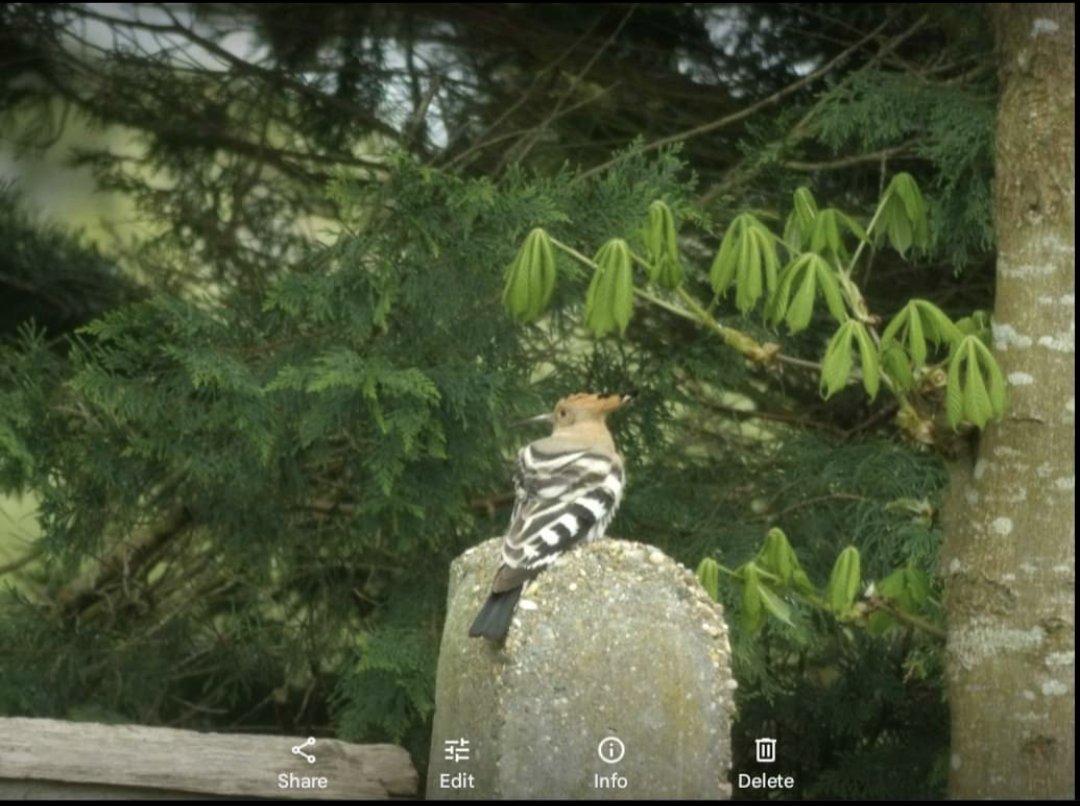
614, 682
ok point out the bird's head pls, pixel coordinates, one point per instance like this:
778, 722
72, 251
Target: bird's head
582, 408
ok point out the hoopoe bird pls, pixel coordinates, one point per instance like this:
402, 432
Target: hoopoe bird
567, 486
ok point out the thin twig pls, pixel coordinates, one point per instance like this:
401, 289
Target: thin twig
421, 110
481, 141
26, 559
776, 417
910, 619
521, 151
847, 162
744, 113
873, 420
740, 173
809, 502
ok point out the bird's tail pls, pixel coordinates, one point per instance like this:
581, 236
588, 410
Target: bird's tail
493, 620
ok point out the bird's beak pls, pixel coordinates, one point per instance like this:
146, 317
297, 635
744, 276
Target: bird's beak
548, 418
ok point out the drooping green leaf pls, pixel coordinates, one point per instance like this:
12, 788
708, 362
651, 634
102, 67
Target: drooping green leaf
880, 622
898, 230
917, 323
836, 365
977, 324
844, 582
726, 261
902, 215
939, 328
894, 363
753, 611
905, 187
851, 225
777, 557
530, 279
802, 304
995, 378
916, 338
799, 225
775, 606
708, 574
609, 301
624, 294
766, 247
797, 286
907, 589
805, 206
661, 246
972, 369
830, 289
977, 407
778, 303
954, 394
918, 585
825, 237
868, 357
748, 284
747, 255
793, 238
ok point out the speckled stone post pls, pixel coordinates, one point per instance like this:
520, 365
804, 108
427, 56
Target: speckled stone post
616, 642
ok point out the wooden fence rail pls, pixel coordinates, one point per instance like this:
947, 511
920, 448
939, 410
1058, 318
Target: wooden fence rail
48, 758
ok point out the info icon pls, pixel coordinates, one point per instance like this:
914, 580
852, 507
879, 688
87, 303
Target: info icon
765, 751
611, 750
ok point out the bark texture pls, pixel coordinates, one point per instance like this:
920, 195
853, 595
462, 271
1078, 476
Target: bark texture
1009, 559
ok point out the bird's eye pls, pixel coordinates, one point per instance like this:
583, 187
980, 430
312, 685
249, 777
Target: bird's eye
562, 414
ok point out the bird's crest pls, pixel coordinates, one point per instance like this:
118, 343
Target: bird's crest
586, 401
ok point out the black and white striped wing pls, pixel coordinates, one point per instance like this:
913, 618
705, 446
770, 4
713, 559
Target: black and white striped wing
564, 496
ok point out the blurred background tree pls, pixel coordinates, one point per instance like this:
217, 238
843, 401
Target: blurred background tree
285, 412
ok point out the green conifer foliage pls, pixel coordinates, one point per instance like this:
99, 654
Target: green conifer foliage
249, 506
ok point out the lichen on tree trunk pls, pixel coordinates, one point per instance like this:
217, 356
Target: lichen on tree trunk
1009, 558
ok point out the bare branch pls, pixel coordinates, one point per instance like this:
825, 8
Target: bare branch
25, 560
855, 159
746, 112
519, 152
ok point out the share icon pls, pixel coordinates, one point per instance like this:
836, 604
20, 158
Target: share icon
299, 750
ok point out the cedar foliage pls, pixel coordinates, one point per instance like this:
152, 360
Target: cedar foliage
273, 484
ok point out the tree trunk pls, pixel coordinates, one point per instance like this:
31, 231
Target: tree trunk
1009, 558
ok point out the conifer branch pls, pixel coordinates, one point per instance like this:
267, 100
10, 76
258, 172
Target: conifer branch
82, 591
